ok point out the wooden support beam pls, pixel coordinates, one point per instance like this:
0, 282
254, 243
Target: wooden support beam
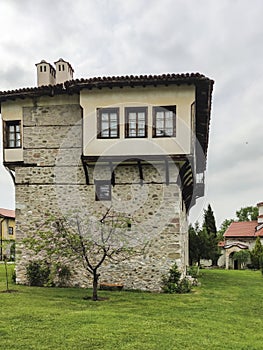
140, 172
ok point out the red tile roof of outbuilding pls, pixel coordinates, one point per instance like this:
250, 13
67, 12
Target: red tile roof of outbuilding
7, 213
243, 229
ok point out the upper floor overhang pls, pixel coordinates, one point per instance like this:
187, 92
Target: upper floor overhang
203, 87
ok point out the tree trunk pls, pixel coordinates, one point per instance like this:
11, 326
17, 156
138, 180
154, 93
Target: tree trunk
95, 285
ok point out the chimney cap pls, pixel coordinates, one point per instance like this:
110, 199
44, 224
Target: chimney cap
62, 60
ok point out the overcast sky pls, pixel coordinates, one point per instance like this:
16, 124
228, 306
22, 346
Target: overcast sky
219, 38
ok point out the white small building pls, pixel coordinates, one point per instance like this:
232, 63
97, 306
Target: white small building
241, 236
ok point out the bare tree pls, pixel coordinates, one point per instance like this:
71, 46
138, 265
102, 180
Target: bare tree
91, 242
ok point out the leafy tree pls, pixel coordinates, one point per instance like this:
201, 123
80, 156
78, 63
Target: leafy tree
224, 226
247, 214
242, 257
89, 242
257, 254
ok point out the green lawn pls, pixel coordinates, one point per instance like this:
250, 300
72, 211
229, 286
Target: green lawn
225, 312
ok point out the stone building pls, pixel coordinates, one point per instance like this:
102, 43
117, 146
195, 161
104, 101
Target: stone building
135, 145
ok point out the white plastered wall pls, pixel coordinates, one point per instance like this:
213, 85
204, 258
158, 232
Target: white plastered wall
181, 96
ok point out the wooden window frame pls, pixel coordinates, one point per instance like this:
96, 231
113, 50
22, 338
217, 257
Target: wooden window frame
108, 111
136, 110
101, 196
171, 108
10, 230
17, 134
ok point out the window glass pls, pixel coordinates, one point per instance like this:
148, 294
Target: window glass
12, 134
136, 122
103, 190
108, 122
164, 121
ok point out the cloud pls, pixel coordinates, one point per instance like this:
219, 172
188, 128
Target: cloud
114, 37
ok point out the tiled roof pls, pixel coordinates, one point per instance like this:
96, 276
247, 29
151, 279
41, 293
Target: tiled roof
7, 213
242, 229
74, 86
260, 232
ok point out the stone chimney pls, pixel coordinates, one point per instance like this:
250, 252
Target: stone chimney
64, 71
260, 213
48, 75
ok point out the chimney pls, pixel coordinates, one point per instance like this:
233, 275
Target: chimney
64, 71
260, 213
46, 74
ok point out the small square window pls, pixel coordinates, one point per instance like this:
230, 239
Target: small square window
13, 134
103, 190
136, 122
108, 123
164, 121
10, 230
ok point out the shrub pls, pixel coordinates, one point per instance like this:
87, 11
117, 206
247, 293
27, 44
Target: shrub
173, 282
37, 273
40, 273
193, 271
60, 275
184, 286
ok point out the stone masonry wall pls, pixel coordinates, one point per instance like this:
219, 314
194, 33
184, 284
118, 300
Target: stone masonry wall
53, 181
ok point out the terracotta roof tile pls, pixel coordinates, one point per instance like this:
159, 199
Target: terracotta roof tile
111, 81
242, 229
7, 213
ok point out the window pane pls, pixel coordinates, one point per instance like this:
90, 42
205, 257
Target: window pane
11, 128
132, 116
164, 121
132, 132
105, 133
141, 132
141, 124
141, 116
168, 132
114, 133
159, 132
159, 115
104, 116
108, 123
11, 143
132, 125
104, 125
113, 116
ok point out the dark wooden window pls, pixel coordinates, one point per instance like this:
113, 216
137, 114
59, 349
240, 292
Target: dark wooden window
136, 122
164, 121
13, 134
10, 230
108, 123
103, 190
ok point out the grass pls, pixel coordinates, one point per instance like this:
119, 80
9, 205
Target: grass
225, 312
